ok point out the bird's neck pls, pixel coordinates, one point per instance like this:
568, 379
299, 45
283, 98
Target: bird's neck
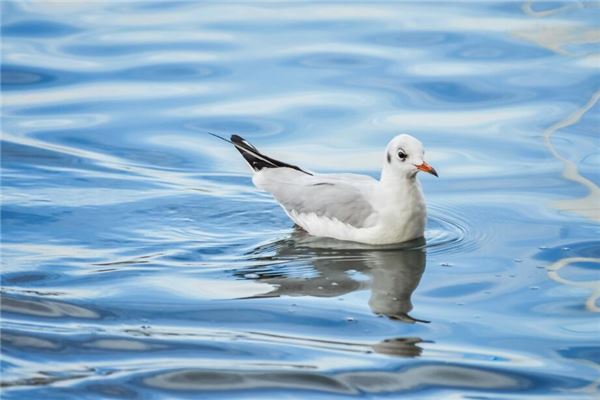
400, 188
392, 180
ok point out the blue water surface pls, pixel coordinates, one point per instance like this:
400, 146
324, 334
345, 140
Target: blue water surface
139, 261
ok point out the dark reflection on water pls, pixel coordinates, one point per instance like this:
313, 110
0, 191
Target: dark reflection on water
117, 50
20, 77
416, 38
229, 380
354, 382
38, 28
394, 271
337, 61
15, 77
169, 72
44, 308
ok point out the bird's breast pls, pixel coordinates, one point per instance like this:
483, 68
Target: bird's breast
403, 217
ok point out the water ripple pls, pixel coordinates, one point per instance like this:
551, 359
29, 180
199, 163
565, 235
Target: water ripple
343, 61
38, 28
448, 232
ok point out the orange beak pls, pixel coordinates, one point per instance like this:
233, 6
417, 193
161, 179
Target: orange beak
427, 168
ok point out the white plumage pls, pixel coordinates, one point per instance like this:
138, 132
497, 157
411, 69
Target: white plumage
347, 206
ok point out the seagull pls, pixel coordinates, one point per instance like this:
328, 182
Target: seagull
349, 207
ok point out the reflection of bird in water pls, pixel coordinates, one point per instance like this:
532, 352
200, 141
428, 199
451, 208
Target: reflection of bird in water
395, 272
341, 268
400, 347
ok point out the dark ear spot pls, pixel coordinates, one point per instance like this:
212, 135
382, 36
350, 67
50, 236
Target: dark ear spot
389, 158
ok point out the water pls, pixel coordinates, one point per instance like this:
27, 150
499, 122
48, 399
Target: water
140, 262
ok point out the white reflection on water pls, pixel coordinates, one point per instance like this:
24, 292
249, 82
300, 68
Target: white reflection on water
472, 121
529, 8
274, 103
593, 285
588, 206
107, 91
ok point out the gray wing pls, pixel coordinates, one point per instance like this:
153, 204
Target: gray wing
322, 195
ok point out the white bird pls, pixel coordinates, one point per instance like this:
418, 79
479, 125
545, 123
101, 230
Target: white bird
349, 207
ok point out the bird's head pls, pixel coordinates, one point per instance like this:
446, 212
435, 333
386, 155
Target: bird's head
404, 156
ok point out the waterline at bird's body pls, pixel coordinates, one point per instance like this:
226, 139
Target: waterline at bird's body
347, 206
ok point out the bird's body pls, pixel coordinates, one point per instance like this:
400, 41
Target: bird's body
349, 207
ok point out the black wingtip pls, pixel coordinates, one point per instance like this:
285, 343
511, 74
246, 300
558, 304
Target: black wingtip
238, 140
255, 158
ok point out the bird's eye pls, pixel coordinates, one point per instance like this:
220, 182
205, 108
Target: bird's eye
402, 155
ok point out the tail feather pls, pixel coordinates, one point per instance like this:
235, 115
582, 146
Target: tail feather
255, 158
